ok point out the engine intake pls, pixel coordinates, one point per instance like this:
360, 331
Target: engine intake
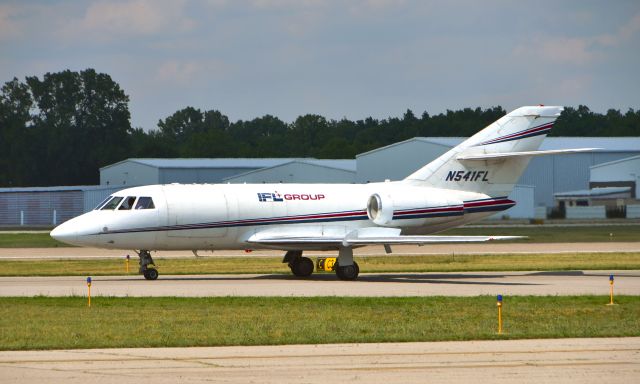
411, 207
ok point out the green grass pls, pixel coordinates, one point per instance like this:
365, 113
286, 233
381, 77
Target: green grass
269, 265
535, 233
53, 323
548, 234
29, 240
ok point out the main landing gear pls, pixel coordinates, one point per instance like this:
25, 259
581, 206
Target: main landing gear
345, 267
300, 266
145, 262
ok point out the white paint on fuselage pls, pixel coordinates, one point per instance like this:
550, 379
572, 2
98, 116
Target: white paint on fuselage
226, 215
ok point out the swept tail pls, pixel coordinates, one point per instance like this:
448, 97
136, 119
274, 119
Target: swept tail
492, 160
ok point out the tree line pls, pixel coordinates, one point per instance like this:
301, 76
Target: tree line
59, 130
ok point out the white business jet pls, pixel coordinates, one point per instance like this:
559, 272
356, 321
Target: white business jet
466, 184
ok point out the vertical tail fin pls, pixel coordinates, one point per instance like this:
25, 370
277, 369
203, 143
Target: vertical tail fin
521, 130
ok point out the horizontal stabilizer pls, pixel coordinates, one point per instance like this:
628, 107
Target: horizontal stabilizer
505, 155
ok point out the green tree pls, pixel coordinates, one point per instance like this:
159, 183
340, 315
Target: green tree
59, 130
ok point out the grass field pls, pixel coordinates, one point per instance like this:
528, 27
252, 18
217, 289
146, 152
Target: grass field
392, 263
549, 234
535, 233
29, 240
53, 323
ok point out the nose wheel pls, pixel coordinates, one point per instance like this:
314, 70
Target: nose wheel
150, 274
147, 265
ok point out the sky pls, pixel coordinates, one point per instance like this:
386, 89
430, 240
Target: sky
352, 59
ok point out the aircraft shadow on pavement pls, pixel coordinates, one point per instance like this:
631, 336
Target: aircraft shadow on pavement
461, 279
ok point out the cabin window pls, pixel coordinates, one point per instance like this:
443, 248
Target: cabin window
103, 203
145, 202
113, 203
127, 203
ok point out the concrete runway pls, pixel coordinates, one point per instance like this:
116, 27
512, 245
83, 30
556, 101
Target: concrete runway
602, 360
432, 249
383, 284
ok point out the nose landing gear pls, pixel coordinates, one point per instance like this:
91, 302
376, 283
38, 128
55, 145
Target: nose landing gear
145, 262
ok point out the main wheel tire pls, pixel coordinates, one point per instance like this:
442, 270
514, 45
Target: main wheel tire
302, 267
348, 272
151, 274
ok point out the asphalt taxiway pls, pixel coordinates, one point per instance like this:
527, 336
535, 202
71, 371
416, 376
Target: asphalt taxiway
369, 251
381, 284
598, 360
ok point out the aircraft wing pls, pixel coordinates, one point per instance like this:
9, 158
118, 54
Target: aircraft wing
360, 237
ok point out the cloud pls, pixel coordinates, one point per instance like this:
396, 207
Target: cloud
108, 20
557, 50
577, 50
187, 72
264, 4
10, 28
624, 33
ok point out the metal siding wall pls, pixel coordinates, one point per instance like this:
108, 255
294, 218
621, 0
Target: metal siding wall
38, 207
539, 173
397, 162
571, 172
129, 173
562, 173
524, 209
597, 212
633, 211
621, 171
198, 175
297, 173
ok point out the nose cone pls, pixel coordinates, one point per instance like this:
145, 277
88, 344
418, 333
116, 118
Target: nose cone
66, 233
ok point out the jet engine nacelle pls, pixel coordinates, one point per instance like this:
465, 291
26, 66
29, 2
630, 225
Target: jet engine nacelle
411, 208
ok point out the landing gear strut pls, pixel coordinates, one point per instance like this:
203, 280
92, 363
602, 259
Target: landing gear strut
300, 266
145, 262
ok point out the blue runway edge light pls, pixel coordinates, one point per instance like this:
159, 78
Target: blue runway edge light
89, 280
611, 277
500, 298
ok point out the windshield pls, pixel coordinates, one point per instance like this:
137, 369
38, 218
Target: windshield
113, 203
102, 203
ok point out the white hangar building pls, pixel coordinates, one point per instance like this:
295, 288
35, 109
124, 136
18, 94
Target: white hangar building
301, 171
547, 175
623, 173
131, 172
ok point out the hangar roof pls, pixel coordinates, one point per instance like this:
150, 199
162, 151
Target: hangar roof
343, 165
609, 144
632, 158
604, 191
235, 162
61, 188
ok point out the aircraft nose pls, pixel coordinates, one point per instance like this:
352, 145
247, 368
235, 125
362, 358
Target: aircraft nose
65, 233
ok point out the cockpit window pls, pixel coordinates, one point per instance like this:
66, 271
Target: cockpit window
127, 203
102, 203
113, 203
145, 202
